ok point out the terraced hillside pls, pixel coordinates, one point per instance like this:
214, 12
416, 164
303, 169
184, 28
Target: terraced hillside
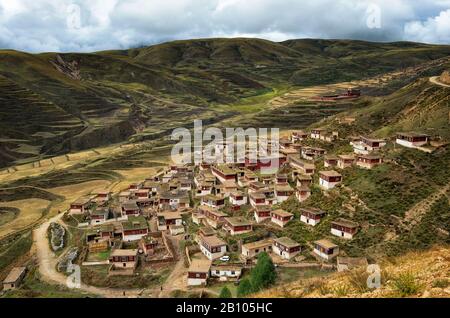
80, 101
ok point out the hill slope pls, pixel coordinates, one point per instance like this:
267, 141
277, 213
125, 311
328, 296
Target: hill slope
89, 100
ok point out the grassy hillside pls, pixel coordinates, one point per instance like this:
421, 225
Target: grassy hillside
148, 91
416, 274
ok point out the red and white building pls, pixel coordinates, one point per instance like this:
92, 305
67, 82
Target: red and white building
344, 228
198, 272
168, 219
224, 173
304, 167
237, 225
130, 208
412, 139
123, 259
366, 145
134, 228
317, 132
262, 213
213, 201
283, 192
80, 206
212, 217
286, 248
238, 198
311, 216
325, 249
329, 179
281, 217
368, 161
330, 161
302, 193
212, 247
345, 161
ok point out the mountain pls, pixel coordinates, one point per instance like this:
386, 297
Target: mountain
52, 104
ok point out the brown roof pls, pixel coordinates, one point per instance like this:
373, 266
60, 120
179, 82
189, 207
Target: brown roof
14, 275
314, 211
286, 241
325, 243
258, 244
170, 215
237, 221
213, 240
122, 252
200, 266
347, 157
282, 213
345, 222
330, 173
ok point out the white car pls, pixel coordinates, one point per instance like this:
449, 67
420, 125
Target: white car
225, 258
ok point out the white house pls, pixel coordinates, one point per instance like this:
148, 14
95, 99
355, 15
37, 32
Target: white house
311, 216
285, 247
366, 145
329, 179
198, 272
212, 247
412, 139
262, 213
281, 217
325, 249
226, 272
302, 193
238, 198
344, 228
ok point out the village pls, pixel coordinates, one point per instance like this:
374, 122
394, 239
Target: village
220, 217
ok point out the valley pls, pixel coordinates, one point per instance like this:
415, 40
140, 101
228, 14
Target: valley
102, 123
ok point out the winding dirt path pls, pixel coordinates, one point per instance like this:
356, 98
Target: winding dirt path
48, 260
435, 80
177, 279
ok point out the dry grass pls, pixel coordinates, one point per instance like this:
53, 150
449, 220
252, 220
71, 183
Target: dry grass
30, 211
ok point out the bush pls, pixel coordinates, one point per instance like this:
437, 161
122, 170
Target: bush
245, 288
358, 280
341, 290
406, 285
225, 293
263, 275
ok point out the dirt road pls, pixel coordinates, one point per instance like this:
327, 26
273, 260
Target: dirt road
435, 80
177, 279
48, 260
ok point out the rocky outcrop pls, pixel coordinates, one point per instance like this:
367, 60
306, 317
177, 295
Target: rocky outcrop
70, 69
445, 77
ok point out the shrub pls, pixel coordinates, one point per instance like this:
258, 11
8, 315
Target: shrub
341, 290
245, 288
225, 293
263, 275
406, 285
358, 280
441, 283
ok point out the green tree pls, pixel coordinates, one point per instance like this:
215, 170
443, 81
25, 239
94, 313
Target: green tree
225, 293
244, 288
263, 275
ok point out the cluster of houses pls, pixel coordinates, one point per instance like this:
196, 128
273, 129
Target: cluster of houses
227, 200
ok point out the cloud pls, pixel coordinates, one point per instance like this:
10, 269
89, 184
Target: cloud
77, 25
436, 29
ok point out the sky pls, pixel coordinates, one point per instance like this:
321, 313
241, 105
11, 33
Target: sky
94, 25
